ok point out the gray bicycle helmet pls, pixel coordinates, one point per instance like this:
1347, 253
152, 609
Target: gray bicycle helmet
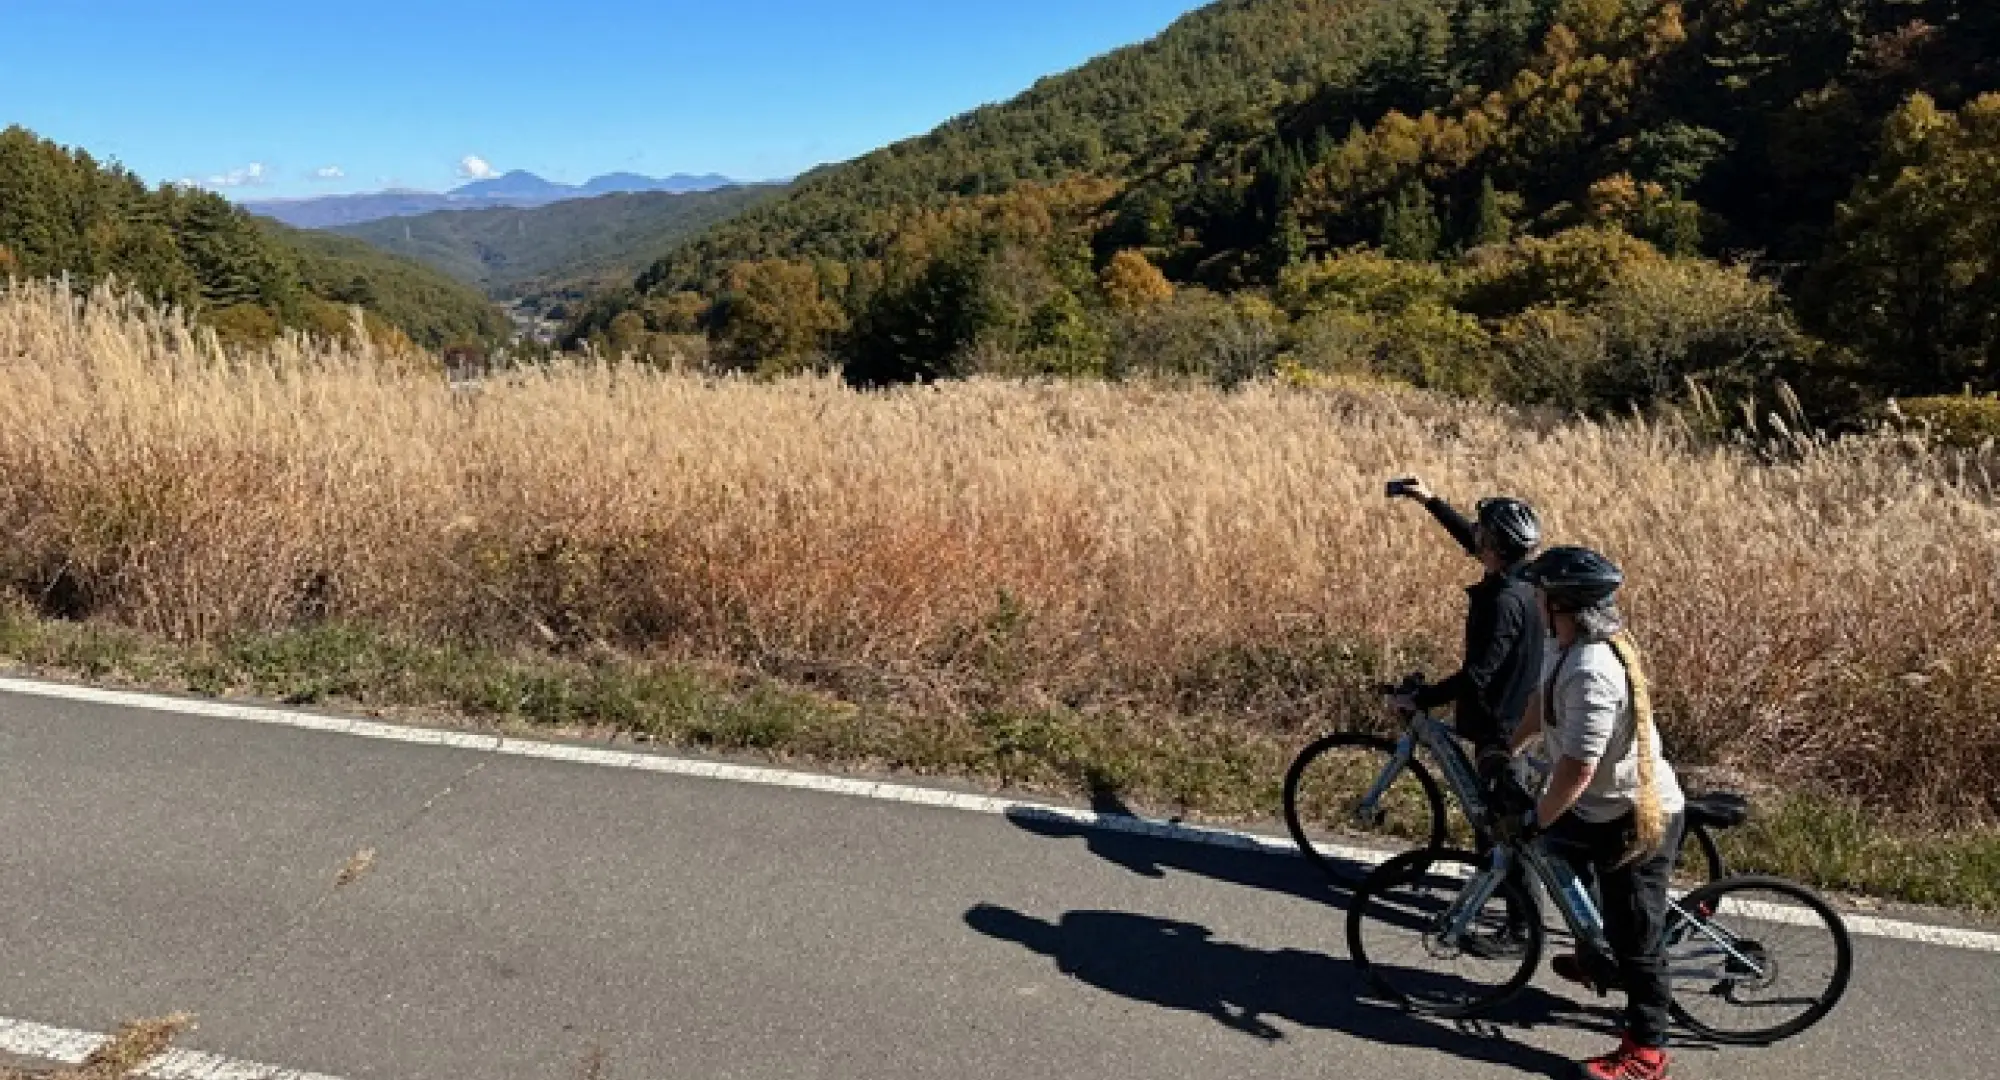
1575, 579
1512, 524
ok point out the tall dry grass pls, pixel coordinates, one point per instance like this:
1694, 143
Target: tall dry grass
1831, 615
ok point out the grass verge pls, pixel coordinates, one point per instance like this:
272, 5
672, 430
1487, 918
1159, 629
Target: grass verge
1203, 766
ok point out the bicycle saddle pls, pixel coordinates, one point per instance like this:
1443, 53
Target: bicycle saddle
1720, 810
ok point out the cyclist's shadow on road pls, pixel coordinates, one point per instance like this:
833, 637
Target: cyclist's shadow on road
1150, 856
1180, 966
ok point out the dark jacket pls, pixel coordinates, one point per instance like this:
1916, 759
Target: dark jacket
1504, 637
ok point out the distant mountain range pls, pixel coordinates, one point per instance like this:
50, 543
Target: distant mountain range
515, 190
569, 247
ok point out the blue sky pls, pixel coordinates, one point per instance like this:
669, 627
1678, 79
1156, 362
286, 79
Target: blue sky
297, 97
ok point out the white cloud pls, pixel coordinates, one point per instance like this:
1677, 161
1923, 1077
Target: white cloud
330, 172
474, 167
251, 175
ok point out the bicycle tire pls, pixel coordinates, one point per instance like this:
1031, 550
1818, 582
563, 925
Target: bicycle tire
1713, 866
1340, 871
1711, 897
1402, 870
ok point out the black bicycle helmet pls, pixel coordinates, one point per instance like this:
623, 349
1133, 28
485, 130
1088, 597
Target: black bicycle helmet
1574, 578
1513, 525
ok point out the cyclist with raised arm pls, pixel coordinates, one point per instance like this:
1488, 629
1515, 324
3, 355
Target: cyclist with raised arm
1504, 632
1612, 808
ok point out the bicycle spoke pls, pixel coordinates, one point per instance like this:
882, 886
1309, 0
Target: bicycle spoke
1397, 930
1330, 794
1757, 965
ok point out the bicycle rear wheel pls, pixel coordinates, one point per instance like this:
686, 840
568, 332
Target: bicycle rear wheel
1323, 792
1395, 924
1700, 858
1755, 960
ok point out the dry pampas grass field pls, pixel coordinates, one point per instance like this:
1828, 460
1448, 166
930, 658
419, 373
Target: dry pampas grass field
1814, 610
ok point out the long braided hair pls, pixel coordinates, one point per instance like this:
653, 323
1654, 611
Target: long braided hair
1649, 816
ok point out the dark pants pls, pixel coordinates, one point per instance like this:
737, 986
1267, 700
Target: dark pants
1633, 899
1506, 796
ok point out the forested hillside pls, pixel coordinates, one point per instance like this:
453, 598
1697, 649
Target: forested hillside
433, 309
63, 213
567, 249
1583, 202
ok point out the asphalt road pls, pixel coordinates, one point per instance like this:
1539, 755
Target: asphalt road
522, 918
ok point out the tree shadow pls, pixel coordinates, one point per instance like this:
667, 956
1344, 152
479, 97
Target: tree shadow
1180, 966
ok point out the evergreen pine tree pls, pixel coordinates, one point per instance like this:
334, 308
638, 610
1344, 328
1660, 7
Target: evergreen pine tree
1491, 225
1410, 226
1288, 242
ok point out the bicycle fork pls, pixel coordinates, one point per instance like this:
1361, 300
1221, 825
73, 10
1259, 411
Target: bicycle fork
1368, 812
1457, 919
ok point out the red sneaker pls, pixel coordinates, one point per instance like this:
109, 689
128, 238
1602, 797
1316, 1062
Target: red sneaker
1629, 1062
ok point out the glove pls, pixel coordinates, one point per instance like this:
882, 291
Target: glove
1531, 825
1502, 783
1515, 827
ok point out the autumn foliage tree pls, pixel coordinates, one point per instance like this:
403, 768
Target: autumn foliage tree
1913, 272
1569, 169
1132, 282
775, 314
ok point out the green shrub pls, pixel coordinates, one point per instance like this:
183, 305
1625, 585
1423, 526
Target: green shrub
1553, 357
1573, 267
245, 324
1337, 343
1427, 345
1437, 348
1652, 328
1667, 322
1964, 420
1360, 280
1199, 334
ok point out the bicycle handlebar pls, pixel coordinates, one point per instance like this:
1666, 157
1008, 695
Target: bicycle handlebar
1411, 683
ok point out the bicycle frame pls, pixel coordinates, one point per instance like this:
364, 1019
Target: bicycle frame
1579, 912
1427, 731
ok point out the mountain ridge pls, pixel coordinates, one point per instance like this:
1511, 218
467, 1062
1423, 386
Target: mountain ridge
517, 189
561, 249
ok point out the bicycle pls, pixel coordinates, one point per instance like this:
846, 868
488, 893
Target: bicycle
1722, 941
1402, 800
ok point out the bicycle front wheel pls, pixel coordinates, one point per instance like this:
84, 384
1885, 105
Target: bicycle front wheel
1323, 793
1397, 922
1755, 960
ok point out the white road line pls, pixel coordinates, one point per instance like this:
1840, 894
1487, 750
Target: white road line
45, 1043
67, 1047
1867, 926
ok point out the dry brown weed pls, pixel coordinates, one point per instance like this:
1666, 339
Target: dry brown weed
1832, 612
